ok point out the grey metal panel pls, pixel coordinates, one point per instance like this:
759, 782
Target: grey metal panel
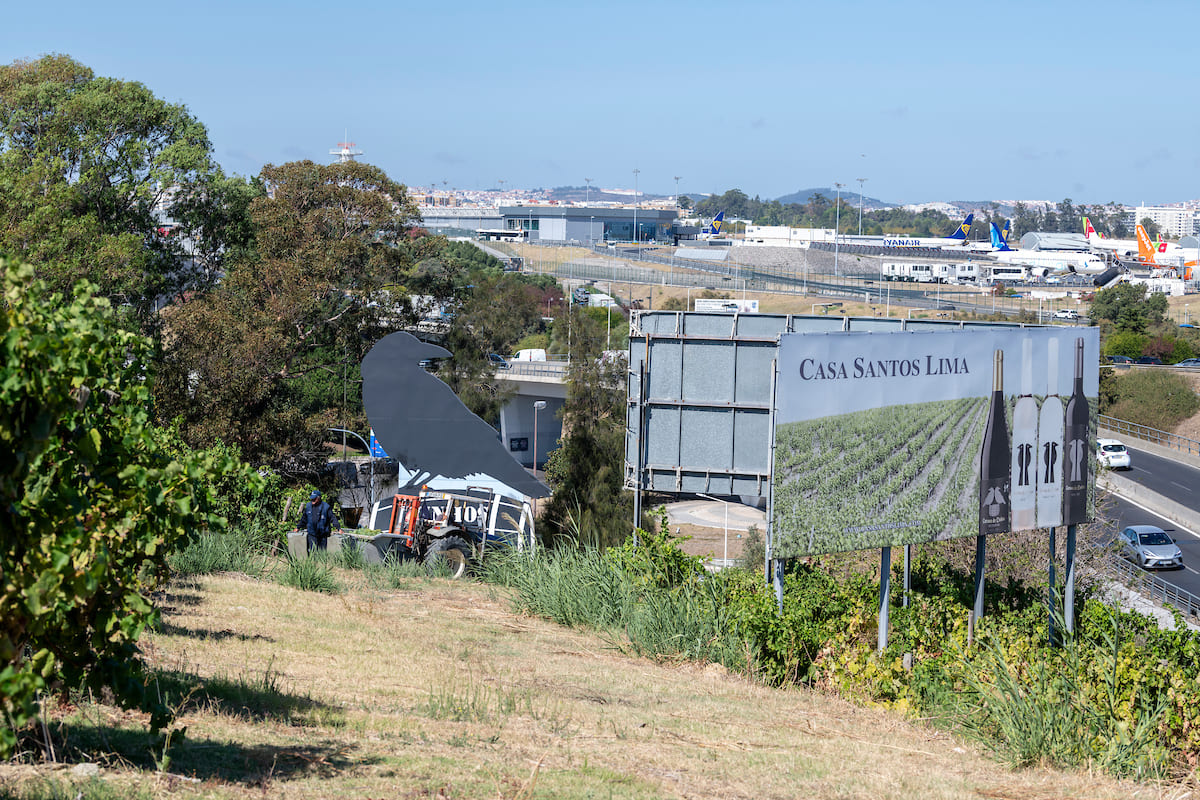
761, 326
876, 325
816, 324
708, 371
705, 438
751, 430
665, 379
662, 436
753, 362
929, 325
716, 324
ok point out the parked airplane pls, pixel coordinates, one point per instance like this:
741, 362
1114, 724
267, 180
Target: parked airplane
1122, 248
956, 239
1142, 249
1000, 237
714, 227
1045, 262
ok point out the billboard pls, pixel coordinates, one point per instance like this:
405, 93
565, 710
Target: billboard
885, 439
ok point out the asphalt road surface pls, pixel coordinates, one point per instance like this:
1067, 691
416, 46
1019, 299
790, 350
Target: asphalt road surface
1179, 482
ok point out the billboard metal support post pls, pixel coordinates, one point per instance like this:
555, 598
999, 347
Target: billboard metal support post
638, 445
1050, 602
774, 566
1069, 594
980, 558
885, 589
907, 573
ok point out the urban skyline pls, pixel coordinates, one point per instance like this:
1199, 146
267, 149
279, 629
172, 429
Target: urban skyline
941, 102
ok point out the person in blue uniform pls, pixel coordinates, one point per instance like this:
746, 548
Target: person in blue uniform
317, 518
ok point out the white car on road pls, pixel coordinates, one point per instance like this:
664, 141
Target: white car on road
1112, 454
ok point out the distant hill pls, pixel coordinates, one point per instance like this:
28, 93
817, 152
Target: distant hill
848, 195
596, 194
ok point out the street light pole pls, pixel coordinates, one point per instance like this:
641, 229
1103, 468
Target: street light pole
636, 202
861, 181
538, 405
371, 486
837, 227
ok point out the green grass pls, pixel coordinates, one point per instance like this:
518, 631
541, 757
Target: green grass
312, 574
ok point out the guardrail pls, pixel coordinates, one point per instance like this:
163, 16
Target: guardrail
544, 369
1148, 434
1156, 588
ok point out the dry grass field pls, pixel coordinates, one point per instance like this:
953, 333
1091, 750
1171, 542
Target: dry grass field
438, 690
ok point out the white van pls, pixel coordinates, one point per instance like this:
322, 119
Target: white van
530, 355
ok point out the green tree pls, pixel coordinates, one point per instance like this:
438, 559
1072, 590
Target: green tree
266, 359
586, 471
1126, 343
213, 215
1152, 227
1128, 308
92, 501
491, 316
84, 162
1025, 219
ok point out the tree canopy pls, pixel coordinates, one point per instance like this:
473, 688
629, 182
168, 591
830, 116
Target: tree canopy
266, 358
1128, 307
84, 163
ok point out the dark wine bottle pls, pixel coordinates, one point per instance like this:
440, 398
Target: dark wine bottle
994, 460
1075, 448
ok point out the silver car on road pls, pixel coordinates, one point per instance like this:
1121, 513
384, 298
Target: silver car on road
1150, 547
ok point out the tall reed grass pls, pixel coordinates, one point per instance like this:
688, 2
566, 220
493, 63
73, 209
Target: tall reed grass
245, 550
583, 586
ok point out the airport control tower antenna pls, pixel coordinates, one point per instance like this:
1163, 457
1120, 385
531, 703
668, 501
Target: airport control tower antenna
345, 151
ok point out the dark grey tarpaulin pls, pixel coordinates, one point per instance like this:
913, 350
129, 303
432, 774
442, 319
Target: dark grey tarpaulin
422, 424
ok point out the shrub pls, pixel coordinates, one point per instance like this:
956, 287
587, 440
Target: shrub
1154, 398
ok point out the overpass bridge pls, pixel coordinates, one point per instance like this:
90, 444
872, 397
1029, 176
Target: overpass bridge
528, 433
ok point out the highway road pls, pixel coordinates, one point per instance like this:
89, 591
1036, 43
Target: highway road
1179, 482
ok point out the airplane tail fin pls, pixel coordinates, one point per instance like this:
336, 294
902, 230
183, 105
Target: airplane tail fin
964, 228
714, 227
1006, 231
999, 239
1145, 247
1088, 230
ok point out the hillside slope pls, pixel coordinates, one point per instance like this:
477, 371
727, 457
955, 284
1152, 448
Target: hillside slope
438, 690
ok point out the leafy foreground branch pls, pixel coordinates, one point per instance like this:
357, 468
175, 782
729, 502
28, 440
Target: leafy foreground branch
93, 501
1120, 697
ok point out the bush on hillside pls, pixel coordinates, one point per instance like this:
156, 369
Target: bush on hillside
1153, 398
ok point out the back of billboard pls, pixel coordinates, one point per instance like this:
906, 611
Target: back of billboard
886, 439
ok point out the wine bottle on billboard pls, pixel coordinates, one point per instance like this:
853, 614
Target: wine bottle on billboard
1050, 448
1023, 469
994, 459
1075, 448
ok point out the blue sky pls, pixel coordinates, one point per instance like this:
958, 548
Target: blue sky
929, 101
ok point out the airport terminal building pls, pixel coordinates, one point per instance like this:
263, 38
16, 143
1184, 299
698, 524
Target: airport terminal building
584, 224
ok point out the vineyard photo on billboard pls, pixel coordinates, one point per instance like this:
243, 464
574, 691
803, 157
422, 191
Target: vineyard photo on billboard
886, 439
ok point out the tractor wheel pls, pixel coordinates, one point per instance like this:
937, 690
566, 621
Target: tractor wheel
452, 554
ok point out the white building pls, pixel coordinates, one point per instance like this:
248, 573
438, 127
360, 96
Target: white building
1174, 222
783, 236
